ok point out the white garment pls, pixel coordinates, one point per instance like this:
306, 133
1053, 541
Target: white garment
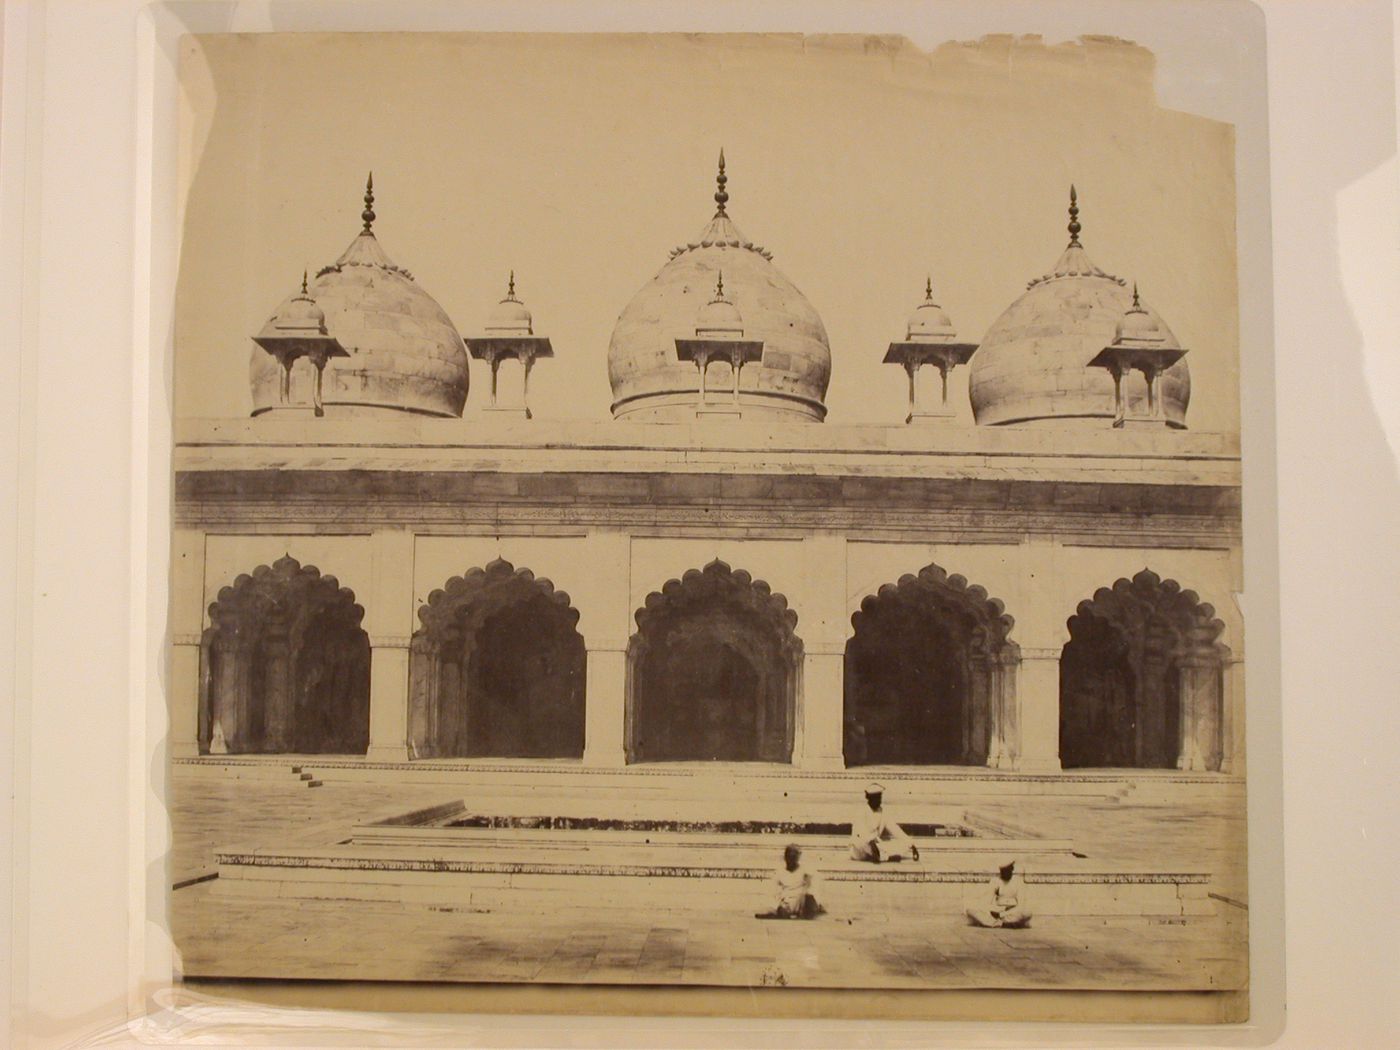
1006, 895
794, 886
874, 826
1008, 904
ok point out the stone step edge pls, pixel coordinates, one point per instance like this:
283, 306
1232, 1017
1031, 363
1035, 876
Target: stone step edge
272, 860
1142, 777
518, 838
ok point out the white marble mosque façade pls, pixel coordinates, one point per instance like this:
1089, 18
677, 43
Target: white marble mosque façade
719, 573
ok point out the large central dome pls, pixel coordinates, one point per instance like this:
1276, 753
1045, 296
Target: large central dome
1033, 365
402, 353
650, 383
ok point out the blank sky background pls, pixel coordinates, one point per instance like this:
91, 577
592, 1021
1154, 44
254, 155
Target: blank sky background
863, 164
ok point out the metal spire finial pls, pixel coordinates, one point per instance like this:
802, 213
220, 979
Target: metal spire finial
928, 290
1074, 226
510, 287
367, 216
721, 197
303, 282
719, 287
1137, 305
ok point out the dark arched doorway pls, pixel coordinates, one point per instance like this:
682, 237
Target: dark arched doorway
285, 666
929, 676
712, 671
497, 670
1141, 679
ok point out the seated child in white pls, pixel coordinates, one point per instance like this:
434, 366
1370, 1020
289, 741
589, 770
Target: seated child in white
794, 884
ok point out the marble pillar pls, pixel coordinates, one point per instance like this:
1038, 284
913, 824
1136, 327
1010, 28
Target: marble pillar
1038, 703
819, 735
389, 621
605, 621
819, 738
605, 714
1005, 734
1200, 714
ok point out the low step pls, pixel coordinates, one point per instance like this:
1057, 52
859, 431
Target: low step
989, 851
248, 772
702, 827
505, 880
732, 811
449, 824
701, 779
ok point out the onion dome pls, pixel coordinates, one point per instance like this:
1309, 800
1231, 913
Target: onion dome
402, 352
297, 316
650, 383
1033, 364
1137, 328
295, 332
930, 322
509, 316
509, 334
719, 317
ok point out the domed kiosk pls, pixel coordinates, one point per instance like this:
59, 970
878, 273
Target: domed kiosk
401, 351
509, 339
650, 383
1034, 364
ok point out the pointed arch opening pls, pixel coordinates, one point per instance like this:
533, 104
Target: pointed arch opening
497, 669
929, 675
1141, 679
284, 666
713, 671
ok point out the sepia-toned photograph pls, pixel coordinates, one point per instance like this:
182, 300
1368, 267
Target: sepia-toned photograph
678, 510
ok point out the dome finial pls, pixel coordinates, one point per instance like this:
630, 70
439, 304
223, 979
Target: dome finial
1074, 226
303, 282
367, 216
721, 197
719, 287
1137, 304
510, 286
928, 289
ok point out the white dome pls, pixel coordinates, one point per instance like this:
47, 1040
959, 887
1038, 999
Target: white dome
403, 352
509, 316
298, 315
1033, 364
719, 317
650, 383
930, 322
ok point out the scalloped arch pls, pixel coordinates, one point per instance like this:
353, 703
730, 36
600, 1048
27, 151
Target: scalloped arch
485, 590
458, 707
697, 587
1131, 604
987, 613
242, 606
713, 619
284, 665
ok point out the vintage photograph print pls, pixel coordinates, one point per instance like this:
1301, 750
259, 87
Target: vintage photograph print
706, 510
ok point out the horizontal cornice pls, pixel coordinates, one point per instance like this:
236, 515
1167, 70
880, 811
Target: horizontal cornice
961, 483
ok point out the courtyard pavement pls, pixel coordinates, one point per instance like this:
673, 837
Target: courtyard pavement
222, 935
260, 937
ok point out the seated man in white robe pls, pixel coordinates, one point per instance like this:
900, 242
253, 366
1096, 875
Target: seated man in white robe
795, 886
1006, 906
875, 837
